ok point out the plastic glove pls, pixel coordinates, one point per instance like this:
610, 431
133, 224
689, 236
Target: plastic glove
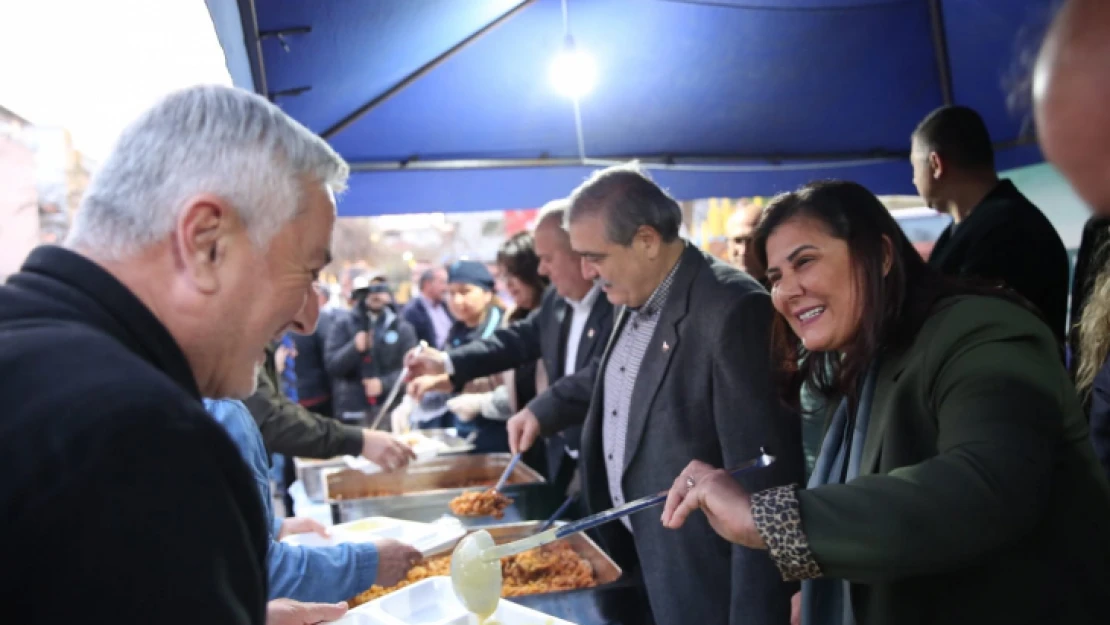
467, 407
399, 418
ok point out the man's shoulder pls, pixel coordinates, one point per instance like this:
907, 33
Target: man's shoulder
76, 374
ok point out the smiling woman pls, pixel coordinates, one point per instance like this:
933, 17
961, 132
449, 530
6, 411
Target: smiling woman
956, 470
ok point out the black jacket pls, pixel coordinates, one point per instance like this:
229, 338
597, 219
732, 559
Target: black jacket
389, 343
416, 313
291, 429
123, 501
537, 337
1009, 240
313, 381
705, 391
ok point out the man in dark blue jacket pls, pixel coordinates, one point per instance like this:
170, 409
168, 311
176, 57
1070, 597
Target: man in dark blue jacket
427, 311
313, 381
365, 351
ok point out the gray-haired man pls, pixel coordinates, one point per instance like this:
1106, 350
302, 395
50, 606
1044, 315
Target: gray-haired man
197, 243
686, 375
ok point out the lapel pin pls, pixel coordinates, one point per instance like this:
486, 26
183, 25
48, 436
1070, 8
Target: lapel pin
666, 348
590, 333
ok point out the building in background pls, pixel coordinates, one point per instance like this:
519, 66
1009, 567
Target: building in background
61, 176
19, 205
42, 180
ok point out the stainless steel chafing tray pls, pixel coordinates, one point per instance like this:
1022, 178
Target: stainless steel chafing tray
605, 570
421, 492
615, 600
312, 473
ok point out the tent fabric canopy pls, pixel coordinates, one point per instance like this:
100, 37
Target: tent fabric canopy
740, 97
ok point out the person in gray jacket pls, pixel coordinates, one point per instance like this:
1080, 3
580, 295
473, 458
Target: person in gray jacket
365, 351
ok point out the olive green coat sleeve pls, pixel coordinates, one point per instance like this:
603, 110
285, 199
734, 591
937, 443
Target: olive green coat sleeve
978, 400
291, 429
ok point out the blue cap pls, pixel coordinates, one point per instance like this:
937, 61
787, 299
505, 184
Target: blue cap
470, 272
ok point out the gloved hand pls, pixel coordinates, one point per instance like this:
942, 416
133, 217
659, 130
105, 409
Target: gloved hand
399, 418
467, 407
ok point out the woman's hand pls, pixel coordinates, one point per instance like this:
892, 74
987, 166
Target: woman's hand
427, 383
726, 505
301, 525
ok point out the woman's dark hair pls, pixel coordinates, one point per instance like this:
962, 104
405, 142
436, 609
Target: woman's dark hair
517, 256
893, 308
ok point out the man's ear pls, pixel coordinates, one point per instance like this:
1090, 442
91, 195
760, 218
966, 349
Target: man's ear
936, 165
203, 236
649, 240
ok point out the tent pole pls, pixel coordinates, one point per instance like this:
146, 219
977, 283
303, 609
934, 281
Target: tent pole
427, 67
940, 49
249, 16
717, 162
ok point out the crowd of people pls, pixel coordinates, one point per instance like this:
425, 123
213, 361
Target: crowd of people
956, 479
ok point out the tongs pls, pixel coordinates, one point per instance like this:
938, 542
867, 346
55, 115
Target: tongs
601, 518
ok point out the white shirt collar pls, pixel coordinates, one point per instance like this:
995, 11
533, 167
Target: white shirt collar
587, 302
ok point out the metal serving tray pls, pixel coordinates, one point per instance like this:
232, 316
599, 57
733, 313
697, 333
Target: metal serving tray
422, 491
312, 473
616, 600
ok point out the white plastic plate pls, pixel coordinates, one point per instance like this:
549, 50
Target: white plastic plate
433, 602
428, 538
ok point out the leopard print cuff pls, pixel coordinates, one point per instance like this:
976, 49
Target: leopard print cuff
778, 519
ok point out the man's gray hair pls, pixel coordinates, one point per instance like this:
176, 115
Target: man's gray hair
204, 139
626, 199
555, 210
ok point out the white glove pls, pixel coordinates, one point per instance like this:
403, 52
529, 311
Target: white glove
399, 418
467, 407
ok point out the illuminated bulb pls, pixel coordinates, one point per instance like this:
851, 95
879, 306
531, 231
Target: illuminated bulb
573, 72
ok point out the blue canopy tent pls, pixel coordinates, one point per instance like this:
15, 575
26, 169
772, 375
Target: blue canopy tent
446, 105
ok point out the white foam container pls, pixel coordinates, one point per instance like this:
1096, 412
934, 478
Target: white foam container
428, 538
432, 602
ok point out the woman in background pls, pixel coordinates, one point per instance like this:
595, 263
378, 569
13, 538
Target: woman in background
956, 482
1092, 375
520, 265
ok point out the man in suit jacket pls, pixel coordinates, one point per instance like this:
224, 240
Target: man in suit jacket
427, 312
568, 332
686, 374
997, 234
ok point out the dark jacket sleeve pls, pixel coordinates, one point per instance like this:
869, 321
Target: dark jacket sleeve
505, 349
993, 259
161, 527
1100, 417
288, 428
341, 357
994, 396
749, 416
406, 340
566, 403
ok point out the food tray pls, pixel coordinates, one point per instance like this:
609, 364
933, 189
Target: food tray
427, 444
449, 474
428, 538
433, 602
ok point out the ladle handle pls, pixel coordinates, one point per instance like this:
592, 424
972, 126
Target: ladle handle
507, 473
393, 391
644, 503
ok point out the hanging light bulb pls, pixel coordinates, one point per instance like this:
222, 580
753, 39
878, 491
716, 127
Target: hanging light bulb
573, 72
